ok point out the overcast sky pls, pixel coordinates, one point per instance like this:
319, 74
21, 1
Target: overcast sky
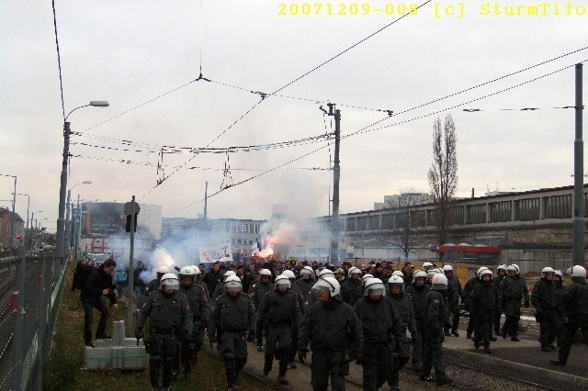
131, 52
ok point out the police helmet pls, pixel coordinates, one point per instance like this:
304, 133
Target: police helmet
265, 272
169, 281
559, 273
196, 270
233, 284
366, 277
439, 282
427, 266
397, 273
447, 268
374, 286
419, 274
480, 270
577, 271
514, 268
282, 281
163, 270
546, 270
326, 273
228, 274
396, 280
290, 274
431, 273
329, 283
502, 267
486, 272
306, 271
354, 270
186, 271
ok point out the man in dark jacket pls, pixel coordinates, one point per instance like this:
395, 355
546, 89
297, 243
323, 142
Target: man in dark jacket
512, 290
418, 291
140, 285
213, 277
482, 302
467, 289
500, 274
352, 289
332, 328
454, 287
544, 301
98, 284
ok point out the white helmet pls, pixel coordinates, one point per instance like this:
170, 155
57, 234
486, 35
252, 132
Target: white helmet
329, 283
228, 274
439, 282
480, 270
163, 270
546, 270
196, 270
397, 273
502, 267
290, 274
427, 266
186, 271
419, 274
265, 272
326, 273
486, 272
514, 268
282, 281
233, 284
169, 281
306, 270
374, 285
577, 271
354, 270
366, 277
396, 280
559, 273
447, 268
431, 273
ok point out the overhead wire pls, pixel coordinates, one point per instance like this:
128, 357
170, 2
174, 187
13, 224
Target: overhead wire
58, 60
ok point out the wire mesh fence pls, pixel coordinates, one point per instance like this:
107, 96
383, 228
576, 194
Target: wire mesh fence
29, 291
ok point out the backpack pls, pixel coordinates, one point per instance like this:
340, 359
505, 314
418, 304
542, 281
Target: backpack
81, 275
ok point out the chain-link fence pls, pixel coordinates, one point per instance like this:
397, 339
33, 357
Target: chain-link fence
28, 310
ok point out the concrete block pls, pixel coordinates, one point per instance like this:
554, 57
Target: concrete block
98, 358
135, 357
118, 332
131, 342
117, 357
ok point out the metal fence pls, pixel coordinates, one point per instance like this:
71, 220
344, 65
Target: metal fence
30, 288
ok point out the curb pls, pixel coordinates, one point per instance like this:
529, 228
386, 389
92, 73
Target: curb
524, 368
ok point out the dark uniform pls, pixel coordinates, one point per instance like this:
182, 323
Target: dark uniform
467, 289
403, 305
219, 290
419, 303
481, 302
257, 292
305, 286
454, 295
91, 297
544, 300
231, 317
296, 327
332, 329
575, 300
435, 318
281, 310
169, 318
498, 313
191, 344
560, 310
351, 291
384, 337
512, 290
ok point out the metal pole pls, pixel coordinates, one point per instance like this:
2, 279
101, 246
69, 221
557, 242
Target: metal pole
336, 177
62, 190
12, 217
67, 235
77, 224
42, 326
131, 276
18, 347
579, 225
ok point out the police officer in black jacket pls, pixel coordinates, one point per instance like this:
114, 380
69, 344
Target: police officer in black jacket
99, 283
418, 290
332, 328
352, 289
435, 318
481, 302
544, 301
169, 320
280, 309
232, 315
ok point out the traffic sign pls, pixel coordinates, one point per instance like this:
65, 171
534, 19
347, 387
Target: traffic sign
129, 208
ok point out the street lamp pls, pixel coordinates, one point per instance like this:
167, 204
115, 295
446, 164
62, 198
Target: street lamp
13, 207
62, 190
75, 219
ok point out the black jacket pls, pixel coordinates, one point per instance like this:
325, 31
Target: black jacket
96, 282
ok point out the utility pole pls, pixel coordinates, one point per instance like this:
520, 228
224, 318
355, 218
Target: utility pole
131, 208
579, 224
336, 177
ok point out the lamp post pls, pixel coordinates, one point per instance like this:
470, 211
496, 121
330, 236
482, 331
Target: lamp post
13, 207
62, 190
67, 215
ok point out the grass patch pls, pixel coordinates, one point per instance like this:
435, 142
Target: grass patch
64, 369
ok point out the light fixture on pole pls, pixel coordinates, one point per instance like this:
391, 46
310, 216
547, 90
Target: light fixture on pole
62, 190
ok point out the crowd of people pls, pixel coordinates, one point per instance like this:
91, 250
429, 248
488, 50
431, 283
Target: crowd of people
374, 315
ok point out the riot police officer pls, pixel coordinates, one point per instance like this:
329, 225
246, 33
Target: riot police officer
232, 315
559, 305
295, 327
153, 285
575, 300
500, 274
352, 289
383, 332
418, 290
467, 289
512, 289
280, 309
305, 282
435, 318
314, 294
257, 292
220, 288
403, 304
455, 294
481, 302
544, 301
169, 318
332, 328
198, 300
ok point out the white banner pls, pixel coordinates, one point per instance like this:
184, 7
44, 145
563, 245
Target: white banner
219, 253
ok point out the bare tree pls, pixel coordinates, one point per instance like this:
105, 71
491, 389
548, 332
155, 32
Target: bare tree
404, 224
443, 172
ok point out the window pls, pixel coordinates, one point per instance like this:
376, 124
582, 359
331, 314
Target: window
350, 224
374, 222
500, 211
476, 214
228, 227
558, 207
527, 209
362, 223
418, 218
